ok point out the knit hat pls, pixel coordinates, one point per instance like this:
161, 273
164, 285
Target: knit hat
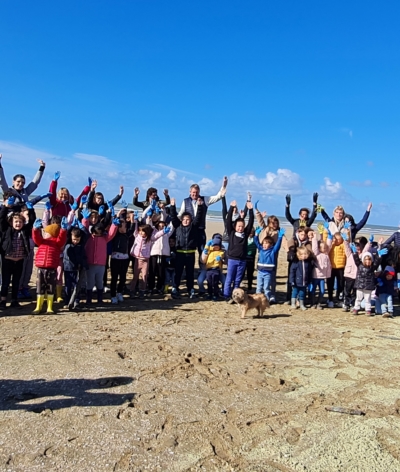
389, 270
217, 241
366, 254
53, 230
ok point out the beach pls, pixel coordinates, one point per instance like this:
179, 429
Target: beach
187, 385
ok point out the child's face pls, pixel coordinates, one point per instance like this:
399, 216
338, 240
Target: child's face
302, 256
171, 242
186, 220
322, 248
337, 240
98, 199
63, 195
266, 244
161, 225
389, 276
122, 227
216, 248
239, 227
304, 215
17, 223
302, 235
142, 234
93, 218
75, 240
367, 262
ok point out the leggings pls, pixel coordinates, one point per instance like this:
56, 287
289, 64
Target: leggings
119, 269
46, 281
11, 271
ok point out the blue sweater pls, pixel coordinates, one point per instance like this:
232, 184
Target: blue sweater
267, 257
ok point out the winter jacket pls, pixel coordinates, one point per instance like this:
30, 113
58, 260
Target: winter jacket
251, 249
301, 273
96, 247
143, 205
394, 238
322, 262
21, 196
266, 230
388, 287
141, 248
350, 270
60, 208
297, 222
267, 257
186, 236
120, 243
8, 232
92, 205
75, 257
337, 256
49, 249
238, 245
160, 246
365, 279
210, 259
295, 243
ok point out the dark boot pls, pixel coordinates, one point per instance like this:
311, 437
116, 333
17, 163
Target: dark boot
100, 295
89, 296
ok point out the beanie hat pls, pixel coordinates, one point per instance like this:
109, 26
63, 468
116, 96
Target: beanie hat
366, 254
53, 230
389, 270
217, 241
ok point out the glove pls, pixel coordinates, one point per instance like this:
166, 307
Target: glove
86, 213
46, 195
84, 199
344, 236
288, 199
398, 284
57, 175
153, 205
11, 201
47, 206
315, 197
149, 212
310, 286
75, 206
209, 243
89, 181
116, 221
81, 226
218, 259
124, 204
102, 210
379, 282
320, 228
136, 215
319, 208
29, 205
258, 231
353, 248
157, 210
205, 251
111, 207
382, 252
38, 223
255, 205
347, 225
167, 229
326, 225
74, 222
64, 223
371, 238
330, 235
282, 232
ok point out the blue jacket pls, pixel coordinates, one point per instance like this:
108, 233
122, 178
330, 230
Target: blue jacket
395, 238
267, 257
387, 288
301, 273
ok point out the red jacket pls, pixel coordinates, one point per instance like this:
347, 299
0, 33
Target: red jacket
49, 250
59, 207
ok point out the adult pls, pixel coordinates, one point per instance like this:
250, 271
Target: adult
189, 205
305, 219
18, 189
356, 227
340, 218
151, 194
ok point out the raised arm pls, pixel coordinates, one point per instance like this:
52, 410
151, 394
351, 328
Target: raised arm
135, 200
3, 181
215, 198
364, 219
36, 179
250, 223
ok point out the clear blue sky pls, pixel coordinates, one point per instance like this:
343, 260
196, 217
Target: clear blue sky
280, 96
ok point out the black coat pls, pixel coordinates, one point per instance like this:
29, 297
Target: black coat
7, 231
365, 279
186, 237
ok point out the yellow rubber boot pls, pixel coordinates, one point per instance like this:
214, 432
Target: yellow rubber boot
39, 304
59, 293
50, 300
166, 289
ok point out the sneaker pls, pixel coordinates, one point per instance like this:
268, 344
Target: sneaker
368, 313
120, 297
26, 292
340, 296
105, 289
331, 305
228, 299
175, 293
20, 295
272, 301
114, 300
387, 315
320, 307
215, 298
192, 294
15, 304
355, 312
345, 308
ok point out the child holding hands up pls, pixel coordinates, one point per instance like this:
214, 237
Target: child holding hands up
213, 257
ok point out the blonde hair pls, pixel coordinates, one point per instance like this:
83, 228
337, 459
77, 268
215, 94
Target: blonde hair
63, 189
303, 250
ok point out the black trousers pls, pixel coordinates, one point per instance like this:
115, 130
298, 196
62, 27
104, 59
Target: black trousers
339, 274
250, 264
71, 280
213, 276
185, 261
119, 269
349, 294
11, 273
46, 281
157, 266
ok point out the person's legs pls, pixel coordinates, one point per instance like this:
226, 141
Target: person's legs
200, 280
259, 282
241, 267
209, 282
179, 266
114, 269
17, 271
250, 265
122, 272
389, 301
215, 282
189, 267
266, 284
7, 272
143, 265
230, 277
367, 299
359, 298
152, 272
330, 283
348, 291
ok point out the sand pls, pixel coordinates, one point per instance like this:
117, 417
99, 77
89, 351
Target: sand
186, 385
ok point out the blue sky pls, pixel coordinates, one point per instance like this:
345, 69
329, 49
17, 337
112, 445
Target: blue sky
280, 96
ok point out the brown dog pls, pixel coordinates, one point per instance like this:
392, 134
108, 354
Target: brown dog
246, 302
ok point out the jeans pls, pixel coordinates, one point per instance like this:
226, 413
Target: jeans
264, 282
320, 283
383, 304
202, 277
299, 292
234, 275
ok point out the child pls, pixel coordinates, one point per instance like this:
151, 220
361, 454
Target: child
300, 239
145, 235
365, 280
74, 261
47, 260
213, 257
96, 201
15, 247
322, 268
170, 265
158, 256
300, 276
186, 236
237, 250
385, 293
267, 253
119, 261
251, 259
337, 256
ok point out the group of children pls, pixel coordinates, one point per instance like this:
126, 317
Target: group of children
81, 240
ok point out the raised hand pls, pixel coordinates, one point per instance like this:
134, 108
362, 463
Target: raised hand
124, 204
75, 205
167, 229
225, 181
256, 205
47, 205
29, 205
369, 206
233, 203
157, 210
84, 199
116, 221
89, 181
46, 195
379, 282
382, 252
249, 205
38, 223
320, 228
288, 199
353, 248
165, 191
94, 185
57, 175
41, 163
136, 191
282, 232
248, 196
11, 201
264, 214
315, 198
173, 201
371, 238
135, 215
344, 236
258, 231
121, 190
209, 243
347, 225
241, 214
86, 213
64, 223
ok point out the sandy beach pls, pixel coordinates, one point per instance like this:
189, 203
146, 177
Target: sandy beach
186, 385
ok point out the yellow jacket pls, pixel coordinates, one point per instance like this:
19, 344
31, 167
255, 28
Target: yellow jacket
337, 254
210, 259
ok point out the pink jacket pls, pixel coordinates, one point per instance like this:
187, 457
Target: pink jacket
96, 247
141, 248
161, 246
350, 270
323, 267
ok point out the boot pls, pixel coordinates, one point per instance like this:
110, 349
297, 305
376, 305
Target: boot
59, 297
100, 295
50, 300
166, 289
293, 303
89, 296
302, 306
39, 304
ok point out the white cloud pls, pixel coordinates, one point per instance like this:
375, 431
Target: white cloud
331, 188
282, 182
172, 175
